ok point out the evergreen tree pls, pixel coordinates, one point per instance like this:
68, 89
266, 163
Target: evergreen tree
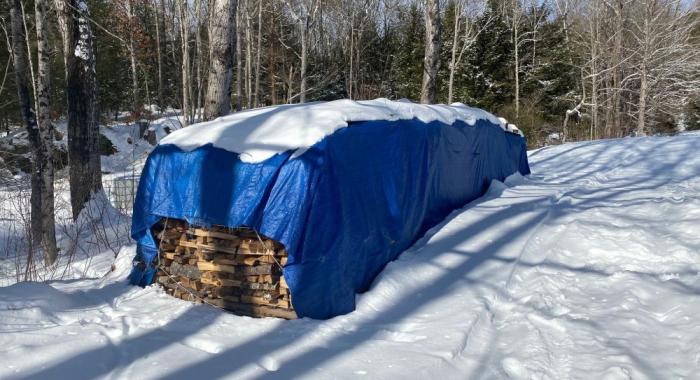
409, 63
552, 80
489, 78
692, 115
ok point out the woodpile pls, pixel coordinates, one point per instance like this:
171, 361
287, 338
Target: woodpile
235, 269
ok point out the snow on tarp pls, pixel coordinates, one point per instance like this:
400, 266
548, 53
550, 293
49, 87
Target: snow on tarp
343, 201
263, 132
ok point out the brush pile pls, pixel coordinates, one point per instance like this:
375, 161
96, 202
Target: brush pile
235, 269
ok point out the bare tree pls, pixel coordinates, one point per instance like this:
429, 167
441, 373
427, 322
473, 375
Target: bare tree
222, 32
43, 229
132, 57
248, 57
431, 60
304, 13
32, 76
258, 52
159, 55
594, 42
83, 129
199, 58
183, 13
515, 25
239, 58
666, 62
464, 36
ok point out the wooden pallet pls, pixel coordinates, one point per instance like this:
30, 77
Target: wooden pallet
235, 269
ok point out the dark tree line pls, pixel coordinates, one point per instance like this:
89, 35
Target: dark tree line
559, 69
531, 61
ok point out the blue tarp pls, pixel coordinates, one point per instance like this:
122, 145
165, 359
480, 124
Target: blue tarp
344, 209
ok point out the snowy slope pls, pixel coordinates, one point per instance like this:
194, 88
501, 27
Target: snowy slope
587, 269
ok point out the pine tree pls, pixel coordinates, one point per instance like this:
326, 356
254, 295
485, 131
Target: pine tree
409, 65
489, 77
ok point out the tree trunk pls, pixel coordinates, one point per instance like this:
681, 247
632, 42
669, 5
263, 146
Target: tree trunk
239, 60
256, 100
185, 50
160, 59
272, 60
32, 77
248, 59
516, 41
135, 106
19, 59
42, 210
613, 127
352, 47
453, 58
43, 173
431, 60
222, 31
83, 129
304, 30
198, 67
643, 72
594, 72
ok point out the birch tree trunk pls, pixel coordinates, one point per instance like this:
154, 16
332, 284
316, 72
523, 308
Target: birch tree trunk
271, 56
248, 59
431, 60
159, 58
43, 171
222, 32
453, 58
185, 50
32, 77
135, 106
617, 61
19, 59
43, 231
239, 60
304, 25
256, 100
643, 72
198, 66
593, 22
83, 129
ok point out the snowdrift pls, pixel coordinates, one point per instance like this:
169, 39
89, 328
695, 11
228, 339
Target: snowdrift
345, 186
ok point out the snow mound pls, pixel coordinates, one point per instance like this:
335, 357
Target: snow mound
259, 134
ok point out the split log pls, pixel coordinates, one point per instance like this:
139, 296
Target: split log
235, 269
190, 271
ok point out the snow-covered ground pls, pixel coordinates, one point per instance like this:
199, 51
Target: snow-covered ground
87, 248
587, 269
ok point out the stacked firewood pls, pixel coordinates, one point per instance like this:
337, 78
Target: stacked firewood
235, 269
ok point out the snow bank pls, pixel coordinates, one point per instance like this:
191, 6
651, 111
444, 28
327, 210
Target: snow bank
261, 133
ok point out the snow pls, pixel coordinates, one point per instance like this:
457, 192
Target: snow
87, 248
586, 269
132, 148
259, 134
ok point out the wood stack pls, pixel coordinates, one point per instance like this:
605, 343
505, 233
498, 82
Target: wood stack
235, 269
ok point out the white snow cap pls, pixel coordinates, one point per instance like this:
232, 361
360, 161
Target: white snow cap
514, 129
260, 133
